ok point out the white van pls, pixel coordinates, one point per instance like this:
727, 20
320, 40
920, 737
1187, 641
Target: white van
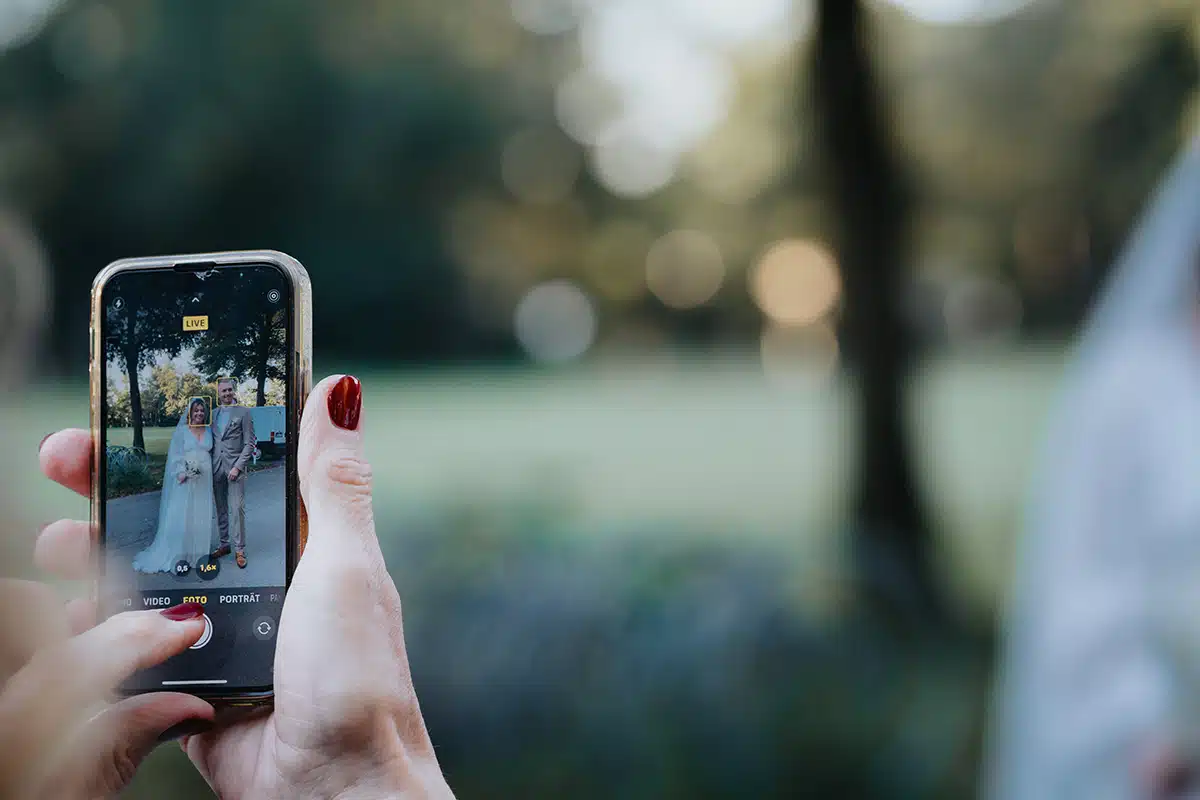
270, 428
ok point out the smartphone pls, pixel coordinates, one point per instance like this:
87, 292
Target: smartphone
200, 365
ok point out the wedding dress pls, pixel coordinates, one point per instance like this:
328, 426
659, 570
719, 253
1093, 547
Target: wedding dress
1102, 651
186, 524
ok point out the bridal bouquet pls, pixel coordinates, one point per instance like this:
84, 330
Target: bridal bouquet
191, 469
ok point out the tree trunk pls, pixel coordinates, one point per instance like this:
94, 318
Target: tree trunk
870, 203
135, 397
130, 353
264, 352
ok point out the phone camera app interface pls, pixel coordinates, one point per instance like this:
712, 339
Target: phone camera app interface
195, 479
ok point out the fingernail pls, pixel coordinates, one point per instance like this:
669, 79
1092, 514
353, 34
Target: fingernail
189, 727
345, 402
183, 612
43, 441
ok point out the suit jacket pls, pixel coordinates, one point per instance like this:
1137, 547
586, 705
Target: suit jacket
234, 447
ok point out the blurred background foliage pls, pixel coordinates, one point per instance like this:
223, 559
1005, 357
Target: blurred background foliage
586, 256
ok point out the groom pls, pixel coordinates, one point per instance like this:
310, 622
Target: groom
233, 442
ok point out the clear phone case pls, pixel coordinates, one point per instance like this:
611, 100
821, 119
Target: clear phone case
298, 391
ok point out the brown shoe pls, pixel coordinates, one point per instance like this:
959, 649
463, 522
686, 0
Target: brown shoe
223, 550
241, 559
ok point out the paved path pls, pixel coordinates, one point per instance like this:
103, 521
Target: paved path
131, 522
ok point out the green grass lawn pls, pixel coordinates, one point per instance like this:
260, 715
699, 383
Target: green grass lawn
698, 449
701, 452
158, 440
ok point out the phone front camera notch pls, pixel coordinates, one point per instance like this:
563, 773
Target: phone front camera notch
201, 268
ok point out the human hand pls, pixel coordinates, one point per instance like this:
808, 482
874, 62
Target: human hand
182, 477
59, 736
346, 721
234, 474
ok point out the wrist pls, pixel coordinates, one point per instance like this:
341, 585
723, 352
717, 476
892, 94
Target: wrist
391, 787
369, 784
370, 779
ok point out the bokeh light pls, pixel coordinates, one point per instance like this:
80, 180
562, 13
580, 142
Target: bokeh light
657, 81
796, 282
959, 12
587, 106
673, 90
555, 321
540, 165
628, 167
744, 22
684, 269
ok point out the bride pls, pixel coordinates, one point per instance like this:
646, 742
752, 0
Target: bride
185, 511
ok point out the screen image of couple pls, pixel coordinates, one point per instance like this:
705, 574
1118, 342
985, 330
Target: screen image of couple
195, 479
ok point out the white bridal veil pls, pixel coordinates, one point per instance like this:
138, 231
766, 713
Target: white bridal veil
1152, 290
176, 456
186, 524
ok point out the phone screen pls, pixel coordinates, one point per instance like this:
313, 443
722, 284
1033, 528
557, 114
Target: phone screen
198, 472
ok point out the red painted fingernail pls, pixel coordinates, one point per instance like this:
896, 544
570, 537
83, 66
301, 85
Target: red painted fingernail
183, 612
345, 402
43, 441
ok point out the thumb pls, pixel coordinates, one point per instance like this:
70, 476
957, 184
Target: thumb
341, 571
335, 477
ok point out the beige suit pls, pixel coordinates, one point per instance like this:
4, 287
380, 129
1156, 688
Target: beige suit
233, 443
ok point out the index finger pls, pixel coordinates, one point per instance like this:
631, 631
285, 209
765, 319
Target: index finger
133, 640
61, 685
66, 459
70, 677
